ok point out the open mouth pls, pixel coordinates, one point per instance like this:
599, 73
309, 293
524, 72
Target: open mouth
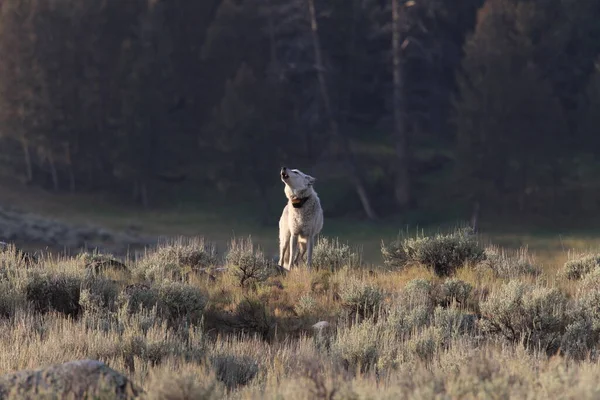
284, 175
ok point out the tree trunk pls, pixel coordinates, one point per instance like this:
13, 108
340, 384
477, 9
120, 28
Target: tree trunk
475, 217
401, 181
53, 170
135, 193
70, 167
144, 194
27, 155
355, 174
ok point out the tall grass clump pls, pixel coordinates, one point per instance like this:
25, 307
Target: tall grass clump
443, 253
177, 259
330, 254
505, 264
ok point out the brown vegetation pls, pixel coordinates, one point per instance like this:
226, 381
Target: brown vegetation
405, 330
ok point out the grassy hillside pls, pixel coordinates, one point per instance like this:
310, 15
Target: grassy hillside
443, 316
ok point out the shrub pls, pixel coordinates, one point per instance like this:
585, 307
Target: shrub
536, 315
251, 316
507, 265
184, 385
452, 322
360, 297
96, 263
307, 305
179, 301
176, 259
413, 307
98, 294
332, 255
422, 346
357, 347
579, 339
54, 292
320, 282
248, 263
234, 371
442, 253
418, 291
454, 290
577, 268
138, 296
10, 299
582, 335
589, 282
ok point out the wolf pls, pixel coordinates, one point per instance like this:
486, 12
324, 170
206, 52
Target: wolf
301, 220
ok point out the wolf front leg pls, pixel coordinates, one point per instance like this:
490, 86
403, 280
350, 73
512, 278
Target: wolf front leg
309, 250
301, 251
284, 248
293, 250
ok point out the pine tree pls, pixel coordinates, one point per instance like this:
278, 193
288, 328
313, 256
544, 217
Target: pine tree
509, 122
245, 128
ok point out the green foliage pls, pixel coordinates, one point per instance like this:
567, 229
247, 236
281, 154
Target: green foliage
504, 99
443, 253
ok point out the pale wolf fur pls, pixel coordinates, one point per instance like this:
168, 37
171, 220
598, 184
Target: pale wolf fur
301, 220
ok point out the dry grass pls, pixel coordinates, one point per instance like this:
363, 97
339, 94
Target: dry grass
182, 325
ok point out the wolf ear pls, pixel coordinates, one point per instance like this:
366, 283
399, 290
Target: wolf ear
310, 180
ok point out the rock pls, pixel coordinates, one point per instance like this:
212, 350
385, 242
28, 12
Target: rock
75, 380
319, 326
21, 227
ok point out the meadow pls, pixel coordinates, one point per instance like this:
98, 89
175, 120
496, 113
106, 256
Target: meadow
443, 316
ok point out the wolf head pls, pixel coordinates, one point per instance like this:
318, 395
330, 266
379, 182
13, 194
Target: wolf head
297, 183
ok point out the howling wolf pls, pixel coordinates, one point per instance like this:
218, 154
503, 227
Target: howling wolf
301, 220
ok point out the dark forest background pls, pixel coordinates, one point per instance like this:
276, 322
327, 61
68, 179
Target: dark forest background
394, 106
